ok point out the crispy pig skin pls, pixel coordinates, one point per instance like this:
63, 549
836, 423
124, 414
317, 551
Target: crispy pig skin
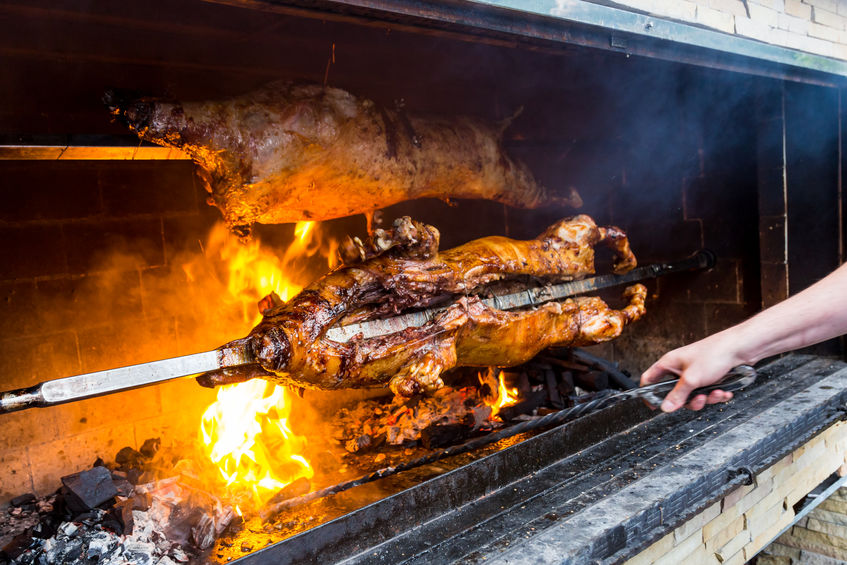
291, 346
289, 152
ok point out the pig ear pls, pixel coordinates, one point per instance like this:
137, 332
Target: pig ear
269, 302
129, 107
220, 377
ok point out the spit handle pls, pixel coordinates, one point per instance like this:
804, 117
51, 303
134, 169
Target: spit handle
21, 399
98, 383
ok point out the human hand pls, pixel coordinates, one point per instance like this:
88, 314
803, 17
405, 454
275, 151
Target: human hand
699, 364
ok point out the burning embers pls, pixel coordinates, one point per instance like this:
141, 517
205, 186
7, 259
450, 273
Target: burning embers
449, 415
477, 404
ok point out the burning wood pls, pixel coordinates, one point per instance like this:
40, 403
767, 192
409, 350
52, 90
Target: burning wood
291, 152
247, 437
504, 396
373, 423
246, 432
292, 347
481, 402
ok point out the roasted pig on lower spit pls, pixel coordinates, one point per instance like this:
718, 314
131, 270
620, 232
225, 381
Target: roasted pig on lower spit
289, 152
403, 269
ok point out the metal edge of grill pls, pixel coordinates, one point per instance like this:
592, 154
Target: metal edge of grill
581, 489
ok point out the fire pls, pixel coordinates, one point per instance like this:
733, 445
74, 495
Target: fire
254, 271
247, 436
505, 396
302, 229
246, 432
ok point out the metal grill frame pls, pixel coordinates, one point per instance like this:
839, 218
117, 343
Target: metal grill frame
485, 510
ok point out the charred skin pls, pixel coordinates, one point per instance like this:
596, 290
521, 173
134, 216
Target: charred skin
493, 337
291, 347
289, 152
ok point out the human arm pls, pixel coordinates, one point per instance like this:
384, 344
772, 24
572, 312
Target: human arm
811, 316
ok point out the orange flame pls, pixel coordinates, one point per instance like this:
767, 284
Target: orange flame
245, 432
254, 271
247, 436
505, 396
302, 229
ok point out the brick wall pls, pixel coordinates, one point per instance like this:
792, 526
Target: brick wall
735, 529
818, 538
814, 26
84, 244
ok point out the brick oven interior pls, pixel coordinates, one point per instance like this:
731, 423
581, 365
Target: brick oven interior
681, 157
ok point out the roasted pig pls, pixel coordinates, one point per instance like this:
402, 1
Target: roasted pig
289, 152
403, 269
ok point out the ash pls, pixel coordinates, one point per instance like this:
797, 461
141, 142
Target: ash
89, 540
107, 516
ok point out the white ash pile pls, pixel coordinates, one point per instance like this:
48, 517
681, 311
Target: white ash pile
120, 514
89, 540
24, 512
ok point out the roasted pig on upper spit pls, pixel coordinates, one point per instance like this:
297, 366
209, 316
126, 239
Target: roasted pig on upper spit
289, 152
403, 269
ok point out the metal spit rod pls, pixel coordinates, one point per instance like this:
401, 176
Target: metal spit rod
703, 259
79, 387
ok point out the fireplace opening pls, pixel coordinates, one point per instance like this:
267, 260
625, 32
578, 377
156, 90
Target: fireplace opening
110, 261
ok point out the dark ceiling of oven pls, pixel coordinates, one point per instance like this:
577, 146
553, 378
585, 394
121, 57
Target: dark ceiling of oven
58, 58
